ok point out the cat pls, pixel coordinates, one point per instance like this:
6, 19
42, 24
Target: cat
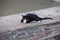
28, 18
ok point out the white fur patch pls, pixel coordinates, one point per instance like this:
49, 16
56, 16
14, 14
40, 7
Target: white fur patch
24, 21
38, 21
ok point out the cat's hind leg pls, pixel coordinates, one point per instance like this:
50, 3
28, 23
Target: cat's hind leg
38, 21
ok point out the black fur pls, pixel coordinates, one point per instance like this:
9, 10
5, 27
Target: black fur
32, 17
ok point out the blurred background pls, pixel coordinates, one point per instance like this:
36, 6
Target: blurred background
9, 7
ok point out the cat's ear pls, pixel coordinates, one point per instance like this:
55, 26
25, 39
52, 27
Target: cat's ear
22, 15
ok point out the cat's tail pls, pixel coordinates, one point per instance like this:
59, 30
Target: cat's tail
46, 18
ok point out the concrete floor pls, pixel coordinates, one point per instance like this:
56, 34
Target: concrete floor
13, 22
8, 7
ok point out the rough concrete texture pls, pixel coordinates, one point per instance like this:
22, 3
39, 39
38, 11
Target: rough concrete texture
12, 29
34, 33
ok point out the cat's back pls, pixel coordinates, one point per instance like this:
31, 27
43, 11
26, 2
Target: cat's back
32, 15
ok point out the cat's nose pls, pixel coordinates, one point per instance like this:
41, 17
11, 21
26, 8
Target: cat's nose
21, 21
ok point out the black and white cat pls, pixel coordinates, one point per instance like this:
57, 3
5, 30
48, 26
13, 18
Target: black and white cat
28, 18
